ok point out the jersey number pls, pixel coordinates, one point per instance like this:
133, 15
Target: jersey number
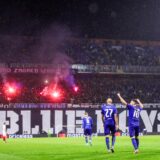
109, 112
87, 121
136, 114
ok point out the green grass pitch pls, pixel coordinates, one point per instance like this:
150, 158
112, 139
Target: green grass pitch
75, 149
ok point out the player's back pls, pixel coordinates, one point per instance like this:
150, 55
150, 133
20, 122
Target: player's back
134, 114
109, 110
87, 122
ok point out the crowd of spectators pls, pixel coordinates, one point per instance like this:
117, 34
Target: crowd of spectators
81, 51
92, 89
105, 52
97, 88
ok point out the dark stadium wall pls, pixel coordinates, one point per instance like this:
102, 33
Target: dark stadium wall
42, 121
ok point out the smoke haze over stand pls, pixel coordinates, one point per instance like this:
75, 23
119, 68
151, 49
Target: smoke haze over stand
53, 42
48, 48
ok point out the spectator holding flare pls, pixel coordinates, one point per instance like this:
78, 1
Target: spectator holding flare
110, 121
87, 124
134, 108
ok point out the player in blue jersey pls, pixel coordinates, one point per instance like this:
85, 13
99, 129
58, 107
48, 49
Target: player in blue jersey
110, 122
134, 108
87, 124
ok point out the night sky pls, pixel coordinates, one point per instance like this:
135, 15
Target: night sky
117, 19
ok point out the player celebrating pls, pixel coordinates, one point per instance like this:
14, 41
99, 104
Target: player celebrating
110, 121
4, 132
134, 108
87, 124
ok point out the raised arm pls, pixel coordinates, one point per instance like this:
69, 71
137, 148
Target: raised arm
121, 99
140, 104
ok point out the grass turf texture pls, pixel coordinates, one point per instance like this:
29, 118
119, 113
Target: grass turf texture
75, 149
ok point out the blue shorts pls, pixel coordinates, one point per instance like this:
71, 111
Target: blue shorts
133, 131
109, 129
87, 132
